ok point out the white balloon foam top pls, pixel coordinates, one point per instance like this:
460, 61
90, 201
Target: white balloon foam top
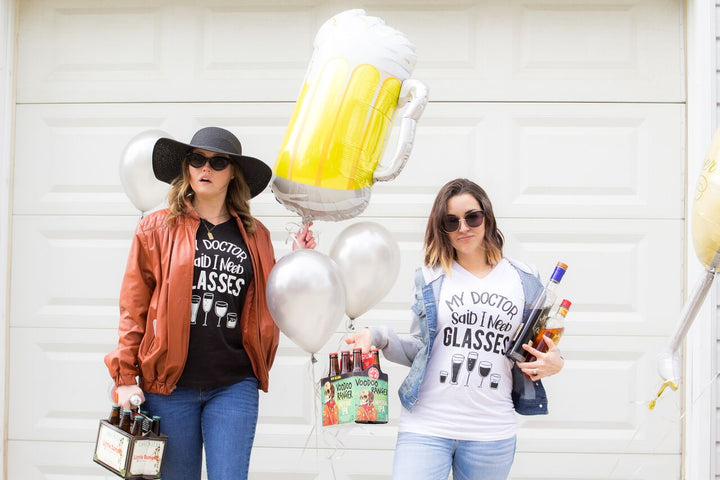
364, 39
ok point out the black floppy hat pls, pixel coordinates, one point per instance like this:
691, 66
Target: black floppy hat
168, 155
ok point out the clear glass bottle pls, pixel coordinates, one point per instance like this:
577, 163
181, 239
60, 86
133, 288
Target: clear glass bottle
539, 312
553, 329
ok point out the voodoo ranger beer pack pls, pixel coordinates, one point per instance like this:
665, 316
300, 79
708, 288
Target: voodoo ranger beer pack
360, 396
128, 456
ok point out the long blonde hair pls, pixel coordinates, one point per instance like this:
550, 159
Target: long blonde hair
237, 198
438, 248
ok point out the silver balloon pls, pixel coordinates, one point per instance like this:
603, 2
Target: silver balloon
136, 172
369, 260
306, 297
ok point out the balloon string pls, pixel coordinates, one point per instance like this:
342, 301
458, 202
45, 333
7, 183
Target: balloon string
293, 228
669, 421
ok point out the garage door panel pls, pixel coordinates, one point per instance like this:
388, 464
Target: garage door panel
599, 402
67, 270
613, 270
528, 51
541, 160
51, 460
61, 391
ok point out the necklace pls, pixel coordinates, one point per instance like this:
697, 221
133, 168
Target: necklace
209, 230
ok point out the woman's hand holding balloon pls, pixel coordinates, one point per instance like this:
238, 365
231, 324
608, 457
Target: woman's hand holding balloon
304, 238
362, 339
546, 363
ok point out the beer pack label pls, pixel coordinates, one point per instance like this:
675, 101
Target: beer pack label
112, 448
147, 457
355, 397
130, 457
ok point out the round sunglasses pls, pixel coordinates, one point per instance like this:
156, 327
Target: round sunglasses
199, 160
474, 219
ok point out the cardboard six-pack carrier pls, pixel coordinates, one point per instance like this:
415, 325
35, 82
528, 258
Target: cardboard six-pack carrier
360, 396
128, 456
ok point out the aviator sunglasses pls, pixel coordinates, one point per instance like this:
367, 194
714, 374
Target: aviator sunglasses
198, 160
474, 219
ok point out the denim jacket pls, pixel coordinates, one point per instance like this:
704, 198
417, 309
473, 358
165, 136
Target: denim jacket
413, 350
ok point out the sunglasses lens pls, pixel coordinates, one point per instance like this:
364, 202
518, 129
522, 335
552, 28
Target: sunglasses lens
196, 160
219, 163
474, 219
216, 163
451, 223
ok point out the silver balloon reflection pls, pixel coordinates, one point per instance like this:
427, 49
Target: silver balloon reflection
136, 172
306, 297
369, 259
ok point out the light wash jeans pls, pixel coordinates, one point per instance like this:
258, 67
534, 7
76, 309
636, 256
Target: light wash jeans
424, 457
223, 418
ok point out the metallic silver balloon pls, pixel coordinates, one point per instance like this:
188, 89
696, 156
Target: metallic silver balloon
369, 260
306, 297
136, 172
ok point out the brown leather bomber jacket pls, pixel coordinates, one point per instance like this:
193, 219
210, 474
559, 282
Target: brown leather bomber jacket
155, 296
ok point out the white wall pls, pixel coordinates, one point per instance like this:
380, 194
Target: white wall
7, 108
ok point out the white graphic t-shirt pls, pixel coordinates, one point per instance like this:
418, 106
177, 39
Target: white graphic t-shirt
466, 391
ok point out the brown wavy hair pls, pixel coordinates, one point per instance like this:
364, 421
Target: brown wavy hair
438, 248
237, 198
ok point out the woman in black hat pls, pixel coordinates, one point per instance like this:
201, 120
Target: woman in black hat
196, 338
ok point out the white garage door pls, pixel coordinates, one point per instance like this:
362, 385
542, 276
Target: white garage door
570, 113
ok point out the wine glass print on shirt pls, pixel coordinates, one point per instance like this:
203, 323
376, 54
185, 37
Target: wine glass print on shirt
207, 302
220, 310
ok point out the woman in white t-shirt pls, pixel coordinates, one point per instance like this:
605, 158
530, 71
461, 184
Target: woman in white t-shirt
460, 397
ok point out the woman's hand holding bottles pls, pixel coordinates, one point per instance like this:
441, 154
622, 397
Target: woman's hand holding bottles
129, 396
546, 363
362, 339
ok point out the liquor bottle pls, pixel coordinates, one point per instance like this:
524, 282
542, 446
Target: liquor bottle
357, 360
114, 417
539, 311
553, 329
136, 429
334, 365
346, 364
124, 423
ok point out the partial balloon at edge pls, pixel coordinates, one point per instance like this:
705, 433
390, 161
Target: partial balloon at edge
706, 206
136, 173
358, 77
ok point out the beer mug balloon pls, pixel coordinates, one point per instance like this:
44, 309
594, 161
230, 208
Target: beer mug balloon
706, 240
358, 77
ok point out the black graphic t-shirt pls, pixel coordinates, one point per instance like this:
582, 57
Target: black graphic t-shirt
221, 277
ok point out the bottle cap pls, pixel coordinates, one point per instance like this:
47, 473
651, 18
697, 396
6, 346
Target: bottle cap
558, 273
565, 303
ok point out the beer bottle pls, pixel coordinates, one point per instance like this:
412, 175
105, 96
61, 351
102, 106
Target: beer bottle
357, 360
156, 425
376, 358
334, 365
146, 425
124, 423
136, 429
114, 417
346, 364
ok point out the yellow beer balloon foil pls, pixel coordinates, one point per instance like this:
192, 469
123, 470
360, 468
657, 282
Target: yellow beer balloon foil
706, 209
342, 118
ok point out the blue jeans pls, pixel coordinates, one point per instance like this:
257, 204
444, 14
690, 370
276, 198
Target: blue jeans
223, 418
424, 457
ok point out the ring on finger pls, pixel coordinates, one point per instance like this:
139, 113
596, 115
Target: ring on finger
535, 372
